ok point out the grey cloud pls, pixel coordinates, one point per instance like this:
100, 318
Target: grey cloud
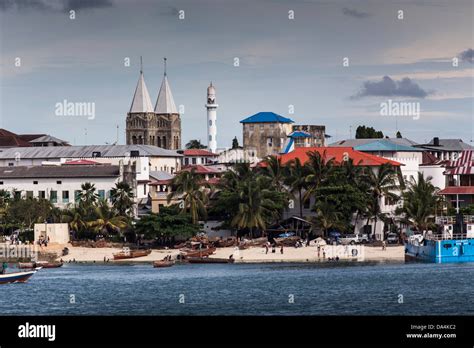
388, 87
467, 55
355, 13
54, 6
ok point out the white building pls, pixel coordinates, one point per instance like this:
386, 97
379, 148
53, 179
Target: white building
61, 185
198, 157
446, 149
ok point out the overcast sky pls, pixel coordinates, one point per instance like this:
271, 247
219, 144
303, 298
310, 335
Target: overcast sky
283, 62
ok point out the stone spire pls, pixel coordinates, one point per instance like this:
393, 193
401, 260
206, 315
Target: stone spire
141, 99
165, 102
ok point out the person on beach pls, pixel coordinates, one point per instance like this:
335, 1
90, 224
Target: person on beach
384, 245
266, 249
324, 254
319, 251
281, 250
273, 249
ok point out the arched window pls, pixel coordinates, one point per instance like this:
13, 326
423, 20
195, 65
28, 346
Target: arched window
134, 139
164, 142
158, 141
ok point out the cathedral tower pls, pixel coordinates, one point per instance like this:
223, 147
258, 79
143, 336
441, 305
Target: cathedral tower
160, 126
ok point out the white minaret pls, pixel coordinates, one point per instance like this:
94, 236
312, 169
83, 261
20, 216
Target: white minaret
211, 107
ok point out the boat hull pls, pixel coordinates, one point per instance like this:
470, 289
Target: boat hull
441, 251
18, 277
161, 264
209, 260
131, 255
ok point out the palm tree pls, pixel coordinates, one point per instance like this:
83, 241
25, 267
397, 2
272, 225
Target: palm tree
296, 175
275, 171
189, 187
327, 216
381, 183
106, 220
319, 170
122, 198
419, 202
257, 204
87, 196
75, 218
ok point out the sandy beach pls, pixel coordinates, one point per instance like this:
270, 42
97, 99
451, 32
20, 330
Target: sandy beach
252, 255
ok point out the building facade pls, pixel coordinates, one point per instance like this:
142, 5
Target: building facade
265, 133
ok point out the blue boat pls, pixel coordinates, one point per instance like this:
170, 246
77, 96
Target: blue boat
17, 277
454, 243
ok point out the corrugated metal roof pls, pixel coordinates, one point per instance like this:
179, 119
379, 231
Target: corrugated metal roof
48, 139
448, 145
358, 142
34, 172
385, 145
58, 152
266, 117
161, 175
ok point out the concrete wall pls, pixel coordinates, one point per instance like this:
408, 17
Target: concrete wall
57, 233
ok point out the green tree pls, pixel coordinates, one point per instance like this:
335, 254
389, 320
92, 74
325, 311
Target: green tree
363, 132
296, 175
106, 220
195, 144
87, 198
275, 171
319, 171
399, 135
190, 188
381, 183
419, 202
122, 198
327, 217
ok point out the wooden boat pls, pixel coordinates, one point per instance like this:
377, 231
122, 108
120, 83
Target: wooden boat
163, 263
198, 252
209, 260
46, 264
29, 265
17, 277
126, 253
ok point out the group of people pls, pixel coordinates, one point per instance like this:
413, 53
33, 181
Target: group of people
42, 241
273, 246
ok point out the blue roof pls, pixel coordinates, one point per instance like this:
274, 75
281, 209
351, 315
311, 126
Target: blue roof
385, 145
266, 117
299, 134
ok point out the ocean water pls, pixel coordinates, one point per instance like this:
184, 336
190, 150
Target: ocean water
245, 289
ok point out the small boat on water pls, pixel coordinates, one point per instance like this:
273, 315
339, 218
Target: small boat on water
126, 253
42, 264
209, 260
16, 277
163, 263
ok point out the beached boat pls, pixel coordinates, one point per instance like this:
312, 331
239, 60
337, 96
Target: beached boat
163, 263
17, 277
198, 252
209, 260
42, 264
131, 254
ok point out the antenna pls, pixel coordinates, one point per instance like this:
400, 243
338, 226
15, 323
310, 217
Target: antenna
165, 64
116, 141
141, 65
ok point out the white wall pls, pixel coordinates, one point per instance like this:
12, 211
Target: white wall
57, 233
435, 171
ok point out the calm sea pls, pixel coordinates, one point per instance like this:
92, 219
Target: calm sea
245, 289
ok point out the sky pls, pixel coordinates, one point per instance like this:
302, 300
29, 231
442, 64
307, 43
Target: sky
331, 63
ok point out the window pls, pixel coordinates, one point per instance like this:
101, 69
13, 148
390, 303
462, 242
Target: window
35, 182
42, 194
59, 182
101, 194
306, 204
270, 142
194, 160
1, 182
144, 189
77, 195
210, 137
17, 194
29, 194
65, 196
251, 127
11, 164
53, 196
210, 122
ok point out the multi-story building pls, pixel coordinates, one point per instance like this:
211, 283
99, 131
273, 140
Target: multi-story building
265, 133
446, 149
197, 156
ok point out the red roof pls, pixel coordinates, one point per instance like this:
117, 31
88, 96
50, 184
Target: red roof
458, 190
81, 162
202, 169
198, 152
338, 154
